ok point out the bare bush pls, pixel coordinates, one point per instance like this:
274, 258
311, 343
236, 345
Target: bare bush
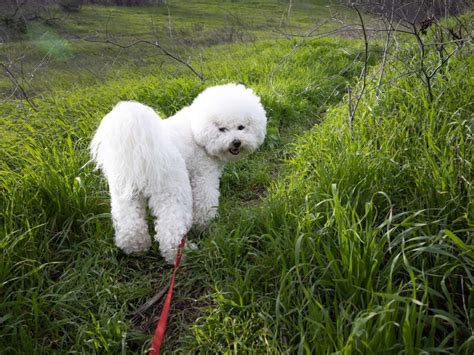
417, 18
415, 11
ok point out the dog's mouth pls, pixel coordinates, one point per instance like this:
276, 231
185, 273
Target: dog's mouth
234, 151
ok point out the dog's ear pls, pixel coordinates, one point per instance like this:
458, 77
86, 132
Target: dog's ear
202, 129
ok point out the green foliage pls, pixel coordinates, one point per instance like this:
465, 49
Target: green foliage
351, 239
364, 245
59, 269
60, 51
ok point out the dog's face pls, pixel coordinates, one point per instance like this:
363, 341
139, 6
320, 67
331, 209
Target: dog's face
228, 121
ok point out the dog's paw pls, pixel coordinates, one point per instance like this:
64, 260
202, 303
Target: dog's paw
134, 245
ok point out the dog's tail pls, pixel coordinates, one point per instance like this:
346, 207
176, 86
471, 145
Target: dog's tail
126, 148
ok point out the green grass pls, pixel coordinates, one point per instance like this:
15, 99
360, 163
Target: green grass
57, 54
60, 270
330, 238
365, 245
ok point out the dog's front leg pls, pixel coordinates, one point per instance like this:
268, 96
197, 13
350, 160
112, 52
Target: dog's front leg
205, 197
172, 207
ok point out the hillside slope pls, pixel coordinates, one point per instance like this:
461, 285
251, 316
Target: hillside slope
64, 284
334, 237
365, 244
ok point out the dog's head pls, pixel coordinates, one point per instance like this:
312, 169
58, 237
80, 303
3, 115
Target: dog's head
228, 121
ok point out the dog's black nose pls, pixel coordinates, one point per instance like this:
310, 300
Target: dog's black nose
236, 143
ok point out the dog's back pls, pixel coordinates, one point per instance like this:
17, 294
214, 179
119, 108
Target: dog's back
128, 148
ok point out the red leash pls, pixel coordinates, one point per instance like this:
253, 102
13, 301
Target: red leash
161, 327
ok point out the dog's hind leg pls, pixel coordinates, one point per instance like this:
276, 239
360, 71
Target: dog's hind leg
131, 229
173, 213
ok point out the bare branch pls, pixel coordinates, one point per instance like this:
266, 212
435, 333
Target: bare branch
17, 84
352, 110
18, 7
384, 58
443, 62
154, 44
425, 78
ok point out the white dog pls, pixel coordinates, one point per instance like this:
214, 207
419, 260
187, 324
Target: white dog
173, 164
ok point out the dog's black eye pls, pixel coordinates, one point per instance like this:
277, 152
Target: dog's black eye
223, 129
240, 127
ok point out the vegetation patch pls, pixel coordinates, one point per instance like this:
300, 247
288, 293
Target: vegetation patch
364, 244
349, 231
60, 269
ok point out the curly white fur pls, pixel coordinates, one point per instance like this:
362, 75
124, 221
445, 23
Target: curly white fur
173, 164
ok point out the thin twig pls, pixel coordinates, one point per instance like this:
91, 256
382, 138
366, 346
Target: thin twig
423, 70
384, 61
154, 44
352, 110
442, 62
290, 53
15, 82
148, 304
18, 7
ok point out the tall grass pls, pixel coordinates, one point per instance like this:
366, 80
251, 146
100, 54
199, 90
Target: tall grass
64, 286
365, 244
353, 238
